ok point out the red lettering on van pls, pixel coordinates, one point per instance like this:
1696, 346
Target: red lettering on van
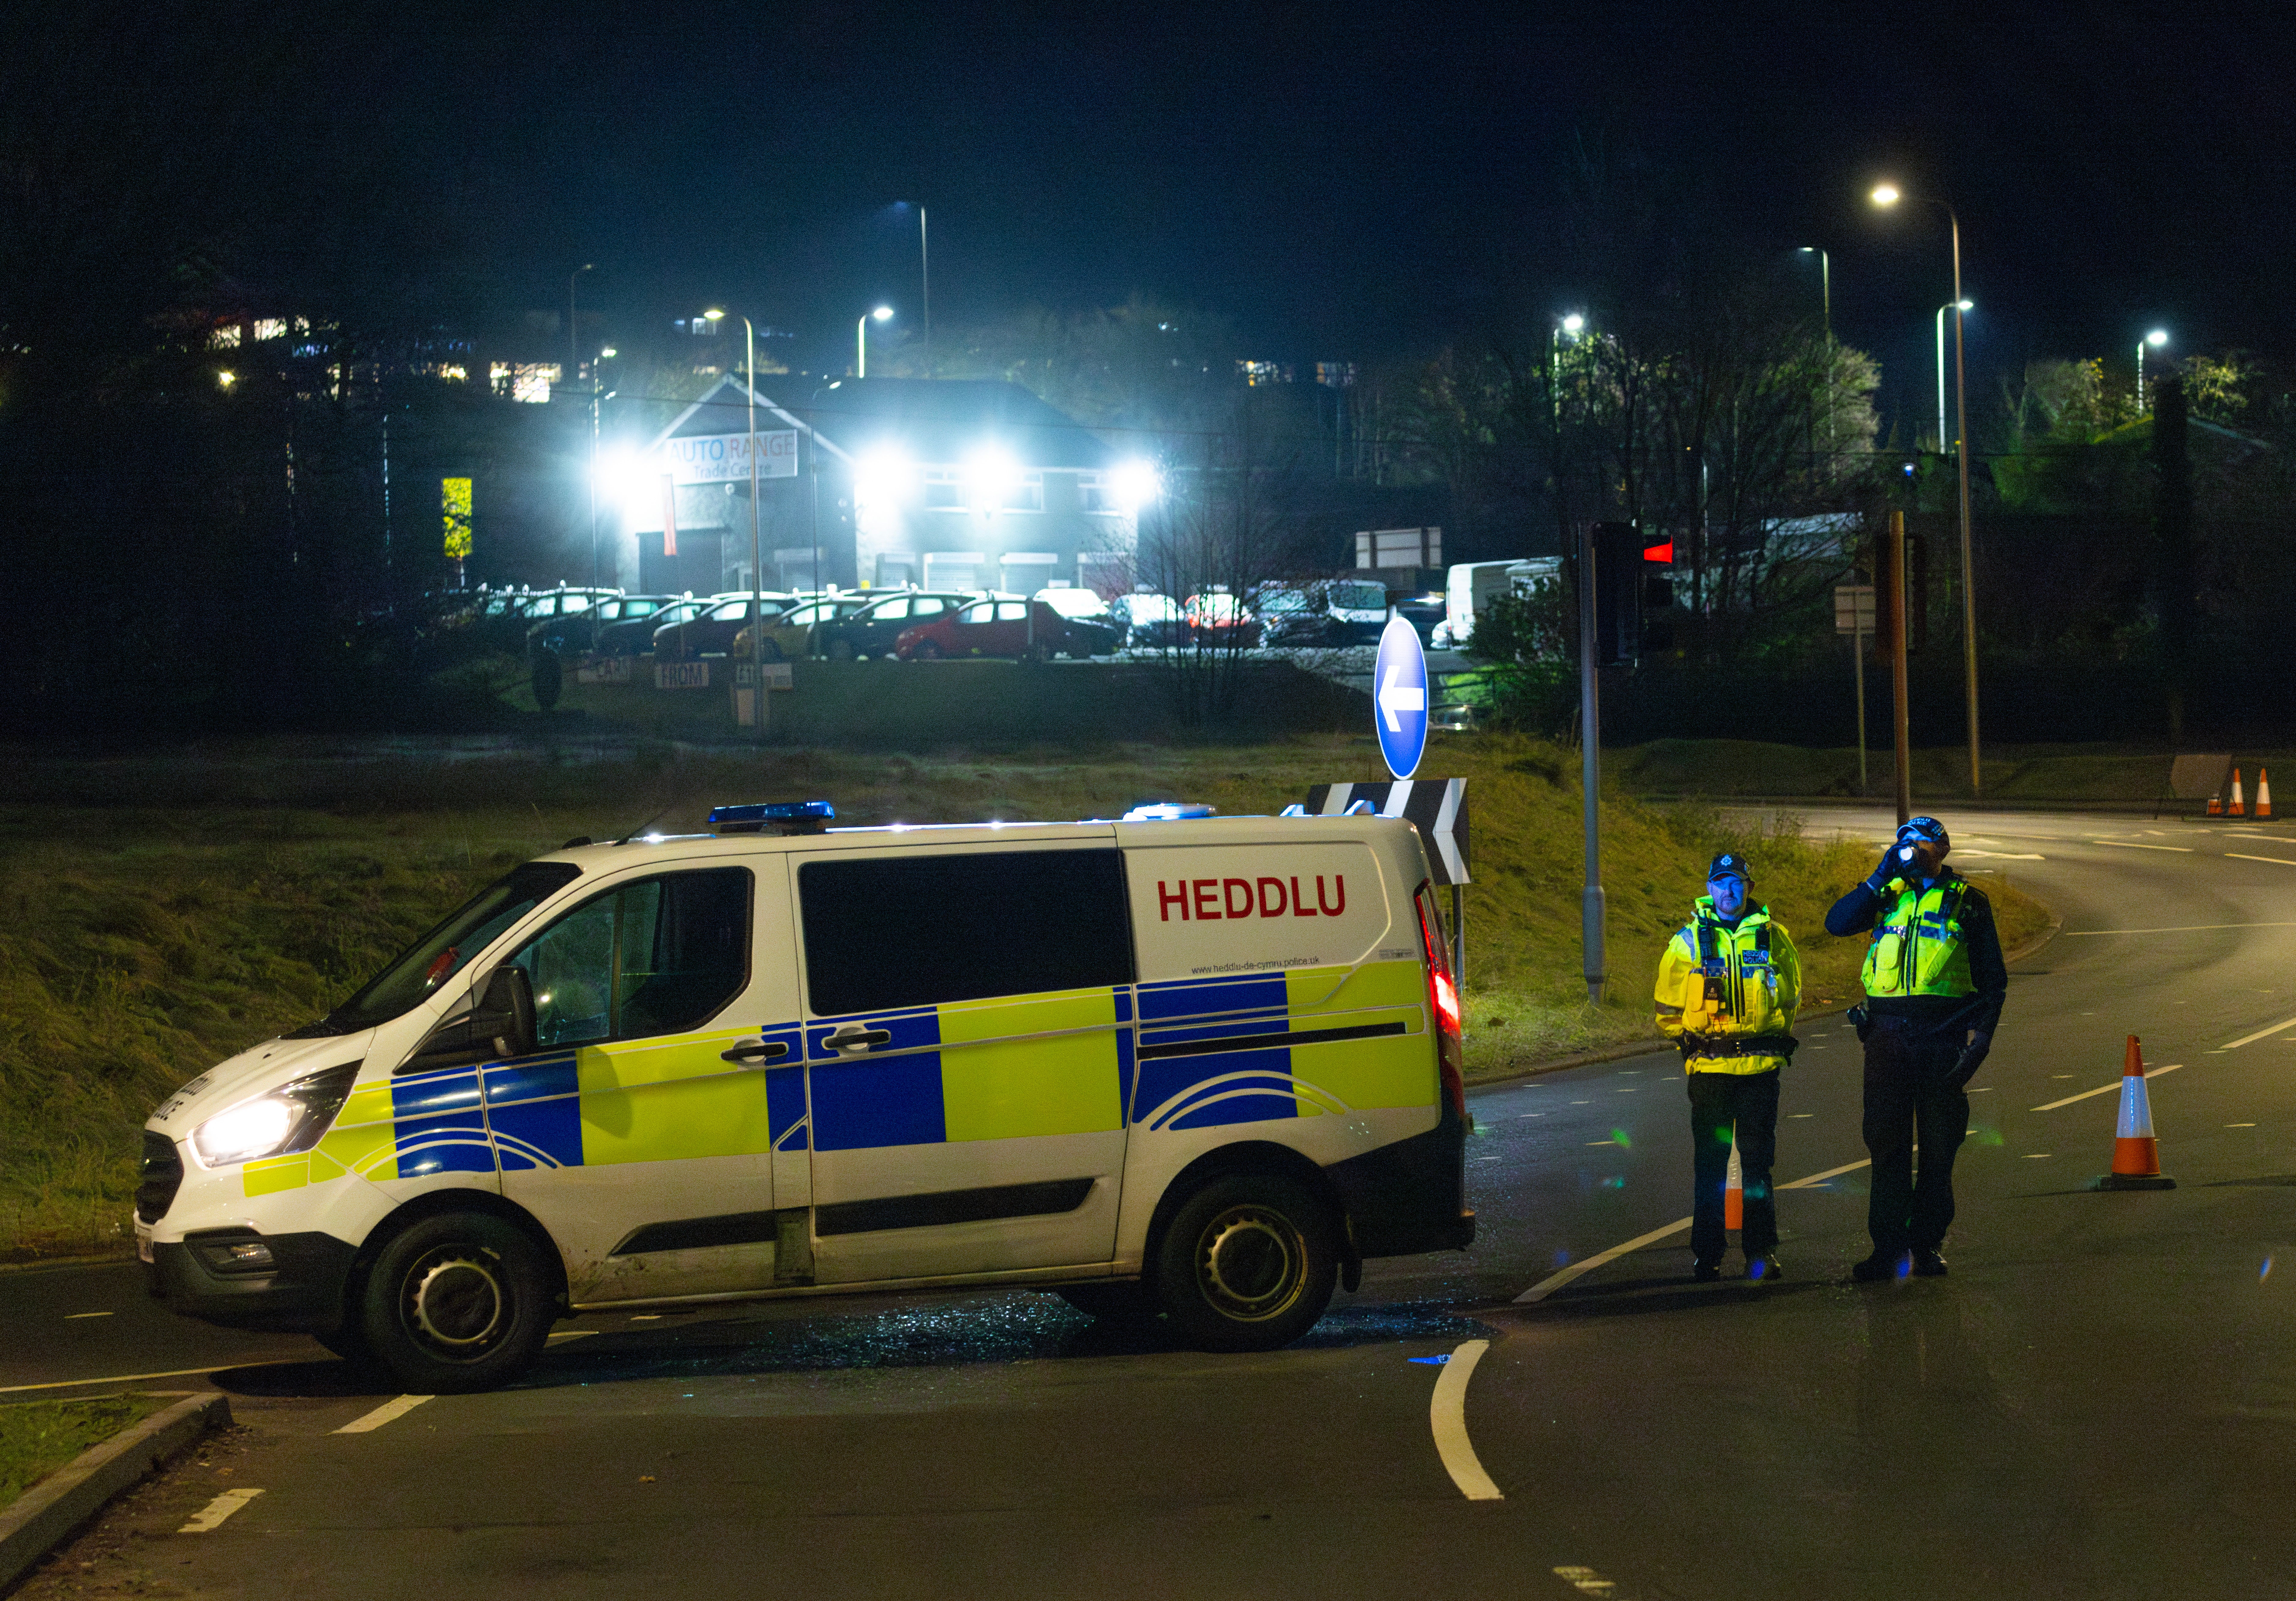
1340, 884
1202, 889
1300, 906
1166, 899
1282, 901
1228, 887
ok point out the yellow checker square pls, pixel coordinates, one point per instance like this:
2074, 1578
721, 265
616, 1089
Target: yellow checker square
272, 1174
1373, 984
370, 1150
1013, 1069
659, 1102
1397, 1070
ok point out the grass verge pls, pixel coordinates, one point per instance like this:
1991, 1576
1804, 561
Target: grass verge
38, 1437
158, 913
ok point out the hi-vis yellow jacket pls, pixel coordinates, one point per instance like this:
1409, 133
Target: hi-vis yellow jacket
1735, 989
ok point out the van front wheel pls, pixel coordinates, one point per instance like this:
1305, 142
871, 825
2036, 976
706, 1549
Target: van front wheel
1247, 1264
455, 1303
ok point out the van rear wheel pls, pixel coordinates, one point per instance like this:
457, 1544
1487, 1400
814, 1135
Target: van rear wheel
456, 1303
1248, 1263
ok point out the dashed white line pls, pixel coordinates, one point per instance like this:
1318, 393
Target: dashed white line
1447, 1414
2188, 928
213, 1514
75, 1316
2285, 1024
2133, 845
130, 1378
383, 1415
2103, 1089
2241, 856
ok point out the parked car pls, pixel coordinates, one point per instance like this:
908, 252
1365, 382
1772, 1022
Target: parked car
872, 630
1091, 623
1220, 622
577, 630
796, 632
1423, 612
1323, 611
1151, 622
711, 631
998, 625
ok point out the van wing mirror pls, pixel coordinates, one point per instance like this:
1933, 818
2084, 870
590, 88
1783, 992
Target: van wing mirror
503, 1019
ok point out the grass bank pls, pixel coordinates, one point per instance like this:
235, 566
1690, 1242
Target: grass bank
2122, 776
38, 1437
158, 913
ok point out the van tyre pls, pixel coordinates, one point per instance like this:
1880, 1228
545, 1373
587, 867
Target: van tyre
456, 1303
1247, 1263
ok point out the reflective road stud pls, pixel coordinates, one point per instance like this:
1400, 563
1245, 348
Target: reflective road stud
1734, 1191
2136, 1154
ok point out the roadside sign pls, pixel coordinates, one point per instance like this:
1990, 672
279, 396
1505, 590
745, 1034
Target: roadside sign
1437, 806
681, 675
1853, 609
604, 670
1399, 697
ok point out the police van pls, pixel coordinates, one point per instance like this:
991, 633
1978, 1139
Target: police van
1182, 1066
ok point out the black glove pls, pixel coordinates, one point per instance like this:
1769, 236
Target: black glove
1896, 862
1972, 1057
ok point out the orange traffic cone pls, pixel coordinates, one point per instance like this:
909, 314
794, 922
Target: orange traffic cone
2263, 794
1734, 1192
2136, 1154
2238, 810
2216, 804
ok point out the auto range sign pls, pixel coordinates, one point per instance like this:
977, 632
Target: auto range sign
711, 459
1399, 697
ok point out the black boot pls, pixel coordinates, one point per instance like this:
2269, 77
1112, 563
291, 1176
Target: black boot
1879, 1266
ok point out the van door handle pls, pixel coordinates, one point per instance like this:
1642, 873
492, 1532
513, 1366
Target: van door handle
852, 1036
755, 1050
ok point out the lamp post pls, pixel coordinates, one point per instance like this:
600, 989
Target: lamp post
2156, 339
756, 552
1886, 195
573, 370
1825, 283
1957, 306
861, 343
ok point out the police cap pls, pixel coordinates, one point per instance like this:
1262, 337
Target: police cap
1729, 865
1930, 829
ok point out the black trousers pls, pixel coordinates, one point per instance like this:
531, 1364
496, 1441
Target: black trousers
1909, 1093
1719, 1105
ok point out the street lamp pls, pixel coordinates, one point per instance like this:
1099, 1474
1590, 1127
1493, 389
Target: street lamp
2156, 339
1957, 306
757, 548
861, 340
1825, 283
1886, 195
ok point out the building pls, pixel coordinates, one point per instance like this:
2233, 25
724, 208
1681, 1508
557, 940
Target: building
879, 482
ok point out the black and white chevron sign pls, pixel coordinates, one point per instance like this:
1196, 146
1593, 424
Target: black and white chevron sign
1439, 806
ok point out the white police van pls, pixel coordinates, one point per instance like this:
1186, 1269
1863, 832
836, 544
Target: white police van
1197, 1068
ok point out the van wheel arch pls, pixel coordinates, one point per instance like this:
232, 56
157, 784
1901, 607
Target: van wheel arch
1252, 1158
436, 1204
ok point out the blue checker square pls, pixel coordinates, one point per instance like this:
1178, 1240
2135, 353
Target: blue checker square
859, 1104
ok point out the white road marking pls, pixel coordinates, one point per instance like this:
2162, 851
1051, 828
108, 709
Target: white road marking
73, 1317
131, 1378
2240, 1125
1554, 1281
2133, 845
2239, 856
2260, 1033
576, 1333
2189, 928
1447, 1413
383, 1415
213, 1514
2103, 1089
2009, 855
1586, 1581
2038, 1155
1805, 1114
1602, 1142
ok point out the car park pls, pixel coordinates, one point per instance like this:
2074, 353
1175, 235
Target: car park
1423, 613
872, 630
1150, 621
997, 625
579, 629
1091, 624
1194, 1070
795, 633
1219, 621
711, 629
1323, 611
633, 636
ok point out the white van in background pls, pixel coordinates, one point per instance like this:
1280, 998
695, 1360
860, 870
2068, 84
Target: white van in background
1471, 586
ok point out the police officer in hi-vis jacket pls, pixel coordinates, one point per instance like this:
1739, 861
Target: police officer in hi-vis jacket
1934, 983
1727, 989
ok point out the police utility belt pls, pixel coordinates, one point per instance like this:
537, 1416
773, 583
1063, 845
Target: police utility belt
1736, 1045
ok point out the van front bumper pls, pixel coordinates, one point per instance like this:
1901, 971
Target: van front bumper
1409, 1196
300, 1291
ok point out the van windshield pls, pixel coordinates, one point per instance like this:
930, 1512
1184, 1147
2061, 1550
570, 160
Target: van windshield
417, 973
1360, 597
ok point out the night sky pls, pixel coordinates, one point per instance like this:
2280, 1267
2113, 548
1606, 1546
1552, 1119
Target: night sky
1342, 182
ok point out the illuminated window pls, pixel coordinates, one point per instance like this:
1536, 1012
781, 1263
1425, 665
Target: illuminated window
1025, 493
270, 327
1095, 494
945, 488
528, 381
224, 339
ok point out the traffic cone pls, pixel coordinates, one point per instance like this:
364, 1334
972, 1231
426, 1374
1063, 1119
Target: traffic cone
2238, 810
2216, 804
1734, 1192
2263, 794
2136, 1154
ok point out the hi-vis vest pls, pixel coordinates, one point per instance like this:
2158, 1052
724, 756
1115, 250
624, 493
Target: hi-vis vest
1730, 985
1919, 946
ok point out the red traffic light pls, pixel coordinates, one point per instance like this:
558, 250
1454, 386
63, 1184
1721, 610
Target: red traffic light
1663, 554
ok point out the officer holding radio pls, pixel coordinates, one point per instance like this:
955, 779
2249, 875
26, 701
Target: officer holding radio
1934, 983
1728, 986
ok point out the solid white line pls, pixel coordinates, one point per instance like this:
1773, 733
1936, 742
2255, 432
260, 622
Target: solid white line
2188, 928
2133, 845
130, 1378
214, 1512
2105, 1089
383, 1415
2259, 1034
1447, 1413
1815, 1180
2240, 856
74, 1316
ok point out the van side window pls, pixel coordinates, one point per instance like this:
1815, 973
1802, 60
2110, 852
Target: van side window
660, 956
929, 927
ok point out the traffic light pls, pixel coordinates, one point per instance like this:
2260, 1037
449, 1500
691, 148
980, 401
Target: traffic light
1633, 591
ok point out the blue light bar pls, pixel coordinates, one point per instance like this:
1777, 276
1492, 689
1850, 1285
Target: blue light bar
1169, 811
782, 816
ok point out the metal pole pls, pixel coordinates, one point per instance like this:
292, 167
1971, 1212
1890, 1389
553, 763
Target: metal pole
861, 347
1968, 563
1857, 660
1942, 435
1590, 747
757, 548
1896, 556
924, 258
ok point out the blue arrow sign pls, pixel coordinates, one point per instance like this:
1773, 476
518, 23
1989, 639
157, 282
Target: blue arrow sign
1399, 697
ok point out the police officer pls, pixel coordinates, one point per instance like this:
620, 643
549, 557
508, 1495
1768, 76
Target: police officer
1728, 986
1934, 983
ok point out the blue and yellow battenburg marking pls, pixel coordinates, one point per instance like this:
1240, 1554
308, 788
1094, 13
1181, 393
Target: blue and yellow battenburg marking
1027, 1066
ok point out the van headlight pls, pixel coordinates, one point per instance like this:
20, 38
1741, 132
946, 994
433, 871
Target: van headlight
277, 1123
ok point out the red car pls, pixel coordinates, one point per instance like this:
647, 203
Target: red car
1220, 622
1000, 626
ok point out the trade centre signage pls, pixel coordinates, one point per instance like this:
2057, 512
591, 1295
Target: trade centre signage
710, 458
